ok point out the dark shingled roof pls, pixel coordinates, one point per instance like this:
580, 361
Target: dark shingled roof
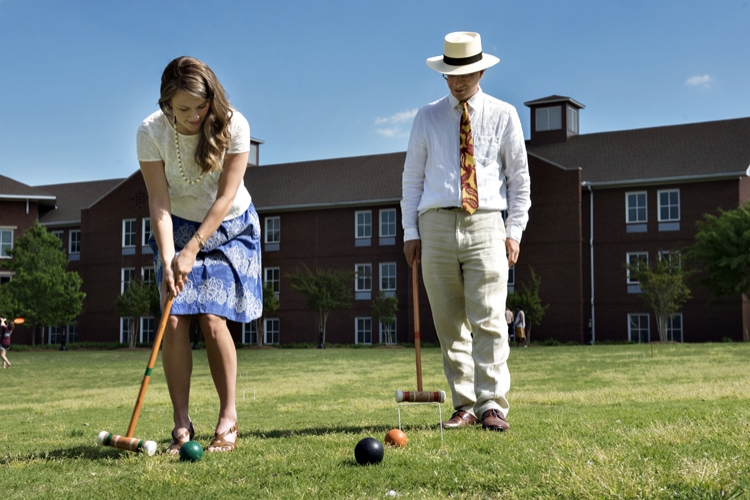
13, 190
324, 183
697, 149
73, 197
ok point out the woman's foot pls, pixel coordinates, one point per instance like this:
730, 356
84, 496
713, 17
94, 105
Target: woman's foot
225, 441
178, 439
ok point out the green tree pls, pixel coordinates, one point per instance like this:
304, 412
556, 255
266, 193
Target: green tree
663, 288
384, 310
527, 298
43, 292
270, 305
324, 291
722, 250
136, 302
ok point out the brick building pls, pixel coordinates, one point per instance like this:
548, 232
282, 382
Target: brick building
598, 201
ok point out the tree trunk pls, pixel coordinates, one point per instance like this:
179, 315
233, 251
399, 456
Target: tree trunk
259, 331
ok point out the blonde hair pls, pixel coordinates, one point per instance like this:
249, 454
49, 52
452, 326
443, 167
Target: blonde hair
195, 78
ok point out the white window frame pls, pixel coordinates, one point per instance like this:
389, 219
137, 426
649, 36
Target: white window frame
388, 272
4, 245
394, 332
126, 272
148, 325
671, 328
644, 257
272, 233
365, 285
267, 330
637, 207
389, 226
573, 119
74, 241
362, 332
59, 234
125, 330
145, 231
669, 205
640, 327
670, 255
272, 275
363, 229
148, 275
129, 232
250, 333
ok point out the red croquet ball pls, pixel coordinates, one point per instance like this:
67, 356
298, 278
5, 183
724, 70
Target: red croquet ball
395, 437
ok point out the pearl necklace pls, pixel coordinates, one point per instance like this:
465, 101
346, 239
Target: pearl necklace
179, 160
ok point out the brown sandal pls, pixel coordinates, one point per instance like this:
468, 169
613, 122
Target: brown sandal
178, 441
221, 444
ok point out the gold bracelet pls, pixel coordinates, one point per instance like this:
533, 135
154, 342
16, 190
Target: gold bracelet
201, 240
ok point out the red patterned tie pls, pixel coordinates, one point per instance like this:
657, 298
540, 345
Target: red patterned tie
469, 193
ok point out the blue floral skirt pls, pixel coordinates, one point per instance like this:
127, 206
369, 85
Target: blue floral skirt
226, 277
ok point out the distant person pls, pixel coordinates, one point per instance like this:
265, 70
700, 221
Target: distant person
510, 320
520, 328
6, 329
206, 234
465, 164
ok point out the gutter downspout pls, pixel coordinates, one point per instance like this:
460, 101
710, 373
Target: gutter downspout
591, 250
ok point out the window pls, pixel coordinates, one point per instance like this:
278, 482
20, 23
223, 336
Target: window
271, 327
674, 258
549, 118
74, 241
273, 230
72, 333
632, 258
364, 330
56, 334
148, 275
674, 328
572, 119
638, 330
128, 233
635, 207
388, 226
388, 276
669, 205
6, 243
388, 330
126, 326
146, 232
363, 224
59, 234
250, 332
511, 279
127, 277
363, 281
273, 277
147, 329
5, 278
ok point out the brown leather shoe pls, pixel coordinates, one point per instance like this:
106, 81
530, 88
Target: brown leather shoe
493, 420
460, 419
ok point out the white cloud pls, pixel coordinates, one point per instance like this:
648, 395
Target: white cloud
388, 132
400, 117
702, 81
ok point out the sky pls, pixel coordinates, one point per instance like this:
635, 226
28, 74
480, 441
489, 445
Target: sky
330, 78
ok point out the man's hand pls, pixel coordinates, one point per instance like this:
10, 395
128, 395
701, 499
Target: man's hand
412, 251
513, 248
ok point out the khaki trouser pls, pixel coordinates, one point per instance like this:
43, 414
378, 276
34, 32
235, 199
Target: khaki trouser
465, 272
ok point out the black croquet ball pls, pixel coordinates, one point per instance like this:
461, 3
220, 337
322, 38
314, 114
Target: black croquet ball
368, 451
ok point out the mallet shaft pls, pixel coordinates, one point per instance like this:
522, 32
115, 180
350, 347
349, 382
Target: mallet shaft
417, 346
150, 367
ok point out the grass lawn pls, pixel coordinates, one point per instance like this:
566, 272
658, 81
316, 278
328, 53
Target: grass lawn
586, 422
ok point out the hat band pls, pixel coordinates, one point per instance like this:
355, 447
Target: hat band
462, 61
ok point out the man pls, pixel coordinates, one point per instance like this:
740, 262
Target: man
465, 164
510, 320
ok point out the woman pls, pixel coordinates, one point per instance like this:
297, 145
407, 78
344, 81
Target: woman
5, 333
206, 234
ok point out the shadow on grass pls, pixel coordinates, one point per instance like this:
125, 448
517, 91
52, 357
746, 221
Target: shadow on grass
321, 431
87, 452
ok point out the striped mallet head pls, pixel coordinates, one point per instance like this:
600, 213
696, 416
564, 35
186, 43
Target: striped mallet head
420, 396
126, 443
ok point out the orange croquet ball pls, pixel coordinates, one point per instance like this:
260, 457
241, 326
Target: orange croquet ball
395, 437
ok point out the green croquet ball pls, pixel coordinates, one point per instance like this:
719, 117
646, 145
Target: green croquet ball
191, 452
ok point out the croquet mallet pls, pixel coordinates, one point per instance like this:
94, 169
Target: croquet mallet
418, 396
128, 442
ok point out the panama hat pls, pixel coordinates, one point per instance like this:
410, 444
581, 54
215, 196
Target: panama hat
462, 54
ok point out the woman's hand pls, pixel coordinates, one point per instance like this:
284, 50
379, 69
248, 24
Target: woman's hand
182, 265
168, 284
